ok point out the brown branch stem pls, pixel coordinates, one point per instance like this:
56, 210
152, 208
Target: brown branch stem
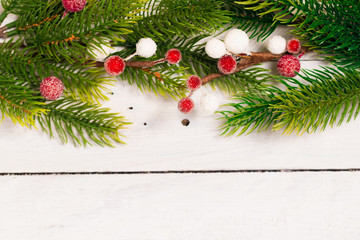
2, 32
133, 64
256, 58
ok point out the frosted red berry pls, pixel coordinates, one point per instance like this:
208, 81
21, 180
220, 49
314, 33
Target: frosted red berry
288, 66
74, 5
114, 65
227, 64
51, 88
193, 82
173, 56
186, 105
293, 46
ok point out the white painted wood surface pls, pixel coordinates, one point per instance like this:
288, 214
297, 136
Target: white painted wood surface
279, 206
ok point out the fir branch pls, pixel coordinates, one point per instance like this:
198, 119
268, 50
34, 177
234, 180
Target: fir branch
81, 81
260, 26
69, 38
18, 101
82, 123
330, 98
330, 27
168, 18
165, 80
20, 7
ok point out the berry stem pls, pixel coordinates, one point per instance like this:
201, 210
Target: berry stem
2, 32
255, 58
130, 57
133, 64
160, 61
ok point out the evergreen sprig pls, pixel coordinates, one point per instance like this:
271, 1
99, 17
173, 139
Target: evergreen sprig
330, 97
166, 19
19, 102
20, 7
82, 123
330, 26
165, 80
259, 26
72, 37
81, 81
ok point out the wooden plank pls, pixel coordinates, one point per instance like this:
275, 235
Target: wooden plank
195, 206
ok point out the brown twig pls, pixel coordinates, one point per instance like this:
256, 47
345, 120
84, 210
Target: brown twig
255, 58
135, 64
2, 32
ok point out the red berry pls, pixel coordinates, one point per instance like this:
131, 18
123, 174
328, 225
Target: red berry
288, 66
186, 105
173, 56
293, 46
114, 65
51, 88
74, 5
193, 82
227, 64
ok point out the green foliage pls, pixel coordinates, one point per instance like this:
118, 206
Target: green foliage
330, 26
166, 19
330, 98
164, 79
71, 37
20, 7
81, 122
19, 102
260, 26
80, 81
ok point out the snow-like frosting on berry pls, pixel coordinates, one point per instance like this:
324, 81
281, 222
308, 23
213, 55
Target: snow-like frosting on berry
288, 66
173, 56
114, 65
186, 105
236, 41
227, 64
146, 47
74, 5
193, 82
51, 88
293, 46
215, 48
277, 45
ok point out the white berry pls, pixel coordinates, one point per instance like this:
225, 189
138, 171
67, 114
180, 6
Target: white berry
277, 45
146, 47
236, 41
209, 103
215, 48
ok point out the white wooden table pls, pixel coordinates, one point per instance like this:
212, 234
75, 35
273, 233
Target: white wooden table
177, 182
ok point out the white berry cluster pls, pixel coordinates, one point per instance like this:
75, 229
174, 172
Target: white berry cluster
235, 42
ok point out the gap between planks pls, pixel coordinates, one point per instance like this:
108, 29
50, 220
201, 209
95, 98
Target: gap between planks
179, 172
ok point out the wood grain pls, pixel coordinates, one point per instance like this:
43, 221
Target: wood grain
260, 206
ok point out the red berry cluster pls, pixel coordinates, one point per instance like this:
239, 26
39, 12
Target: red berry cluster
115, 65
186, 104
289, 65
